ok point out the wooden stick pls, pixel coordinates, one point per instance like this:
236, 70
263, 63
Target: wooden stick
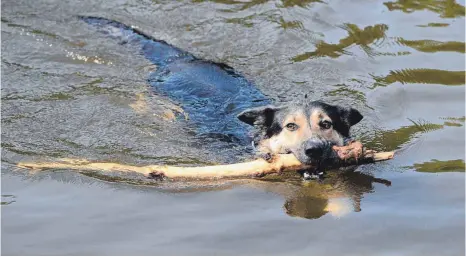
348, 155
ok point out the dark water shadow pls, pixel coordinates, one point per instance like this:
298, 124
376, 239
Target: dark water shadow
421, 76
356, 36
436, 166
390, 140
244, 5
446, 9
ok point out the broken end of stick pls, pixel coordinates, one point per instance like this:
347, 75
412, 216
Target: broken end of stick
379, 156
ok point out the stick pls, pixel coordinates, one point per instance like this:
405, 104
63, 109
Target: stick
348, 155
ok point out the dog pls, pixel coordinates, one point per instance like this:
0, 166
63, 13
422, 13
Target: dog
221, 102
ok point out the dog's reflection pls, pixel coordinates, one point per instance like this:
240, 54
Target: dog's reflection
338, 194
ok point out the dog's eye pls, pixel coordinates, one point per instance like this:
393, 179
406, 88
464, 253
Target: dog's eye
292, 126
325, 124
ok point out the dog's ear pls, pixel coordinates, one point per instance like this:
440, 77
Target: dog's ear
352, 116
259, 116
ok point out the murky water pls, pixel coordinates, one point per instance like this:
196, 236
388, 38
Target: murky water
69, 92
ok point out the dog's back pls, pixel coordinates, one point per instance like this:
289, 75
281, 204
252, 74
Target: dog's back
212, 94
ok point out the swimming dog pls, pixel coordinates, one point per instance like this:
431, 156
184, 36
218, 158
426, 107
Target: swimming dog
217, 98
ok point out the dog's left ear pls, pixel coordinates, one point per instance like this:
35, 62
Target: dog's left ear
352, 116
259, 116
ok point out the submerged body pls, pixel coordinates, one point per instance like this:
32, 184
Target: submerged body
212, 94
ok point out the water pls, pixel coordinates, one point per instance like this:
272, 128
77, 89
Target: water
69, 92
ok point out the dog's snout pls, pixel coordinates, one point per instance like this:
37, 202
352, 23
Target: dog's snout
314, 149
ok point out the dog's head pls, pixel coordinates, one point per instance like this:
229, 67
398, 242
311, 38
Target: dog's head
308, 131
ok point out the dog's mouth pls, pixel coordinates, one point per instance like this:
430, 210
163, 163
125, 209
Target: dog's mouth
316, 164
310, 160
327, 155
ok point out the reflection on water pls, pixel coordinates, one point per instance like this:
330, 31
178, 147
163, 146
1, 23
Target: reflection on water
243, 5
446, 8
356, 36
339, 194
440, 166
433, 24
424, 76
300, 3
371, 37
432, 46
395, 139
8, 199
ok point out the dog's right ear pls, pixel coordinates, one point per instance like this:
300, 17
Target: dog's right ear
259, 116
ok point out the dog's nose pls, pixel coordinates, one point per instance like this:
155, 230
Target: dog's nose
314, 149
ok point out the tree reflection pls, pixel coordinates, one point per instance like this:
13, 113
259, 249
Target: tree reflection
394, 139
446, 8
422, 76
356, 36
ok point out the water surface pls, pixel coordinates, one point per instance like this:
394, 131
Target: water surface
69, 92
